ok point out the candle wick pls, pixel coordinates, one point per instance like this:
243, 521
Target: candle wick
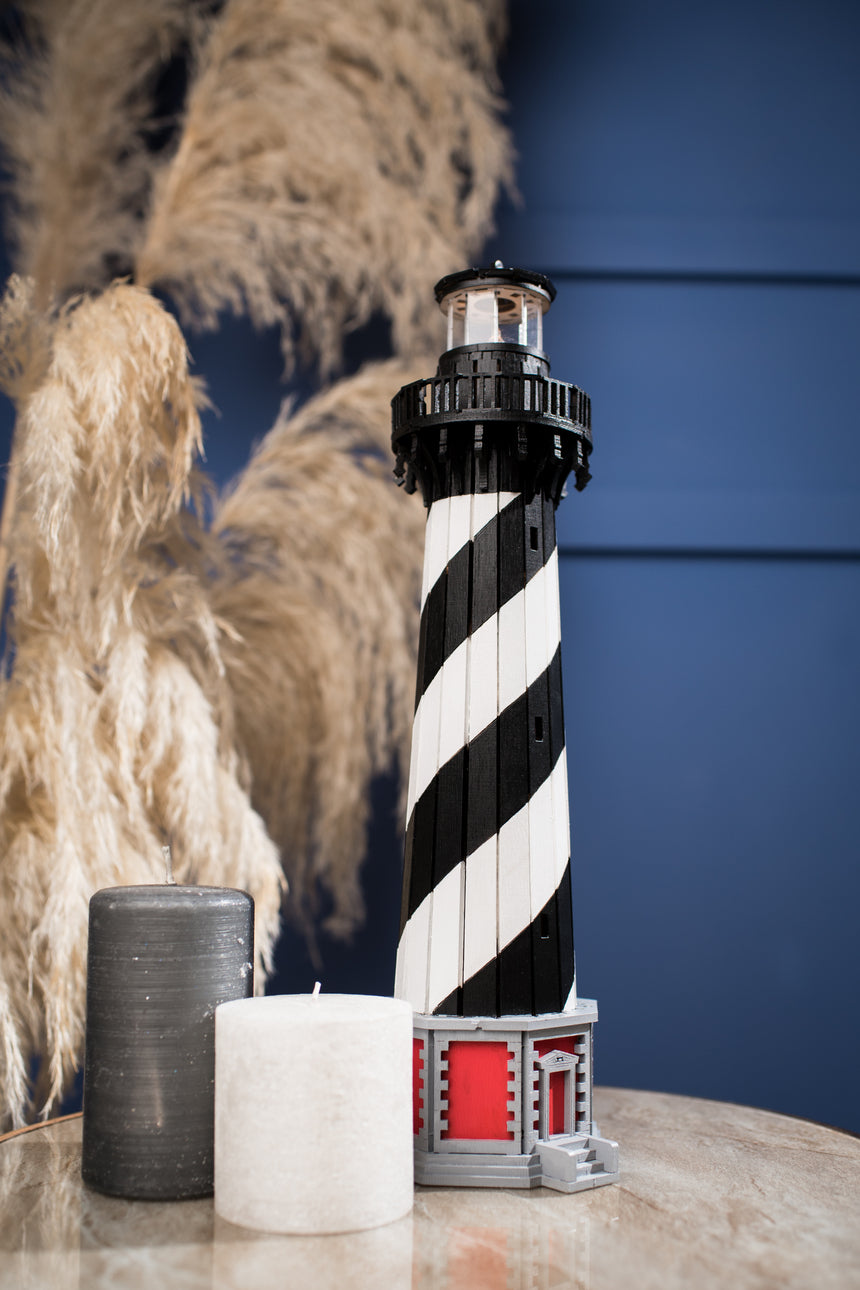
168, 865
316, 990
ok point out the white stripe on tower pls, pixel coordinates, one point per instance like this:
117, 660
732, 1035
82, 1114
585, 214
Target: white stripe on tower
487, 839
516, 672
452, 522
413, 951
435, 557
444, 968
480, 929
450, 516
410, 973
529, 603
480, 932
430, 954
541, 881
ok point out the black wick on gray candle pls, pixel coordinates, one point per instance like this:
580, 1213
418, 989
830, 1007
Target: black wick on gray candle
168, 865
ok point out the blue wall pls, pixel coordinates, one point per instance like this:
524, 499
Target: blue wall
690, 181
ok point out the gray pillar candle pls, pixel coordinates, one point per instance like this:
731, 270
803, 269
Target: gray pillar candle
160, 960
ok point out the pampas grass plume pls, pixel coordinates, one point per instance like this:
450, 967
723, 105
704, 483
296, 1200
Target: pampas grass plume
335, 159
169, 680
75, 106
321, 589
113, 721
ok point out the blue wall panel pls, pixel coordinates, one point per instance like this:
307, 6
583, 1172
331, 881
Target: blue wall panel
713, 722
688, 177
725, 414
671, 135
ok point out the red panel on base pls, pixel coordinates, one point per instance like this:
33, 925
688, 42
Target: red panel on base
478, 1090
417, 1085
563, 1044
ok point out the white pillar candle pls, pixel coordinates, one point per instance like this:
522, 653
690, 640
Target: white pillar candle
313, 1112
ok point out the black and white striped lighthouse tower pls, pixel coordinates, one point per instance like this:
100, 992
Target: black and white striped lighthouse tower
502, 1045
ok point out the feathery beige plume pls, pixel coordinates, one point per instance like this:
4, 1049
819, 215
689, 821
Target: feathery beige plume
169, 681
321, 590
76, 102
25, 342
335, 159
115, 723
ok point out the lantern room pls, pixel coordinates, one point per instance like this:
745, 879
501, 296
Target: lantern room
496, 306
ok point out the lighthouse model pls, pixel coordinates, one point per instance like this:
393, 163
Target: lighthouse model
502, 1046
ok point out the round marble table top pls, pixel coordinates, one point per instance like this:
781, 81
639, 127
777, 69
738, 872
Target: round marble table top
710, 1195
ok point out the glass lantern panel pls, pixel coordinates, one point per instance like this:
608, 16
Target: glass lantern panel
511, 317
533, 323
452, 322
455, 310
481, 317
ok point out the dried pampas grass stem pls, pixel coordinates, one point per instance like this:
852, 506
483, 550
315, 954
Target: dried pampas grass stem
112, 724
321, 589
76, 109
169, 680
335, 159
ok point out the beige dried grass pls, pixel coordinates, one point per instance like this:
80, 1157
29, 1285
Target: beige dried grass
168, 681
24, 357
171, 683
75, 106
335, 159
115, 722
322, 590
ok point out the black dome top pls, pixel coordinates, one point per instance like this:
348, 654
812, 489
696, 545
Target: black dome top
494, 276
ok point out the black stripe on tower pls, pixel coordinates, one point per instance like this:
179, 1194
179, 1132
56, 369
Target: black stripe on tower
448, 598
491, 780
495, 750
550, 987
517, 969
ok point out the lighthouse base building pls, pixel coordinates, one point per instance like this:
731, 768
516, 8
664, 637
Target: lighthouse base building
506, 1102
